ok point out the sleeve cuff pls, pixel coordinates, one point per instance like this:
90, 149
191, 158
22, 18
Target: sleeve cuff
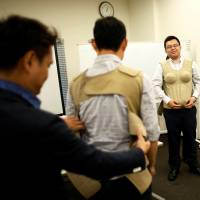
141, 157
166, 99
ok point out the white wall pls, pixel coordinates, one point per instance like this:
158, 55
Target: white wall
146, 20
156, 19
142, 20
73, 19
180, 17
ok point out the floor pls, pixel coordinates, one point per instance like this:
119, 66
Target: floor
185, 187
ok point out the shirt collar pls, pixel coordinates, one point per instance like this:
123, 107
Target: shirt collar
103, 64
17, 89
181, 61
107, 57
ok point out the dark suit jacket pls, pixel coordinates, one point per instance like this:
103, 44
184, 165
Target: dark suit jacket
36, 145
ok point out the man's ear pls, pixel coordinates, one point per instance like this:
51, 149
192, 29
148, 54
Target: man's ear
124, 44
93, 43
29, 60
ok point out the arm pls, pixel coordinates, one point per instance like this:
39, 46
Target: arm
150, 120
196, 83
152, 154
74, 123
72, 154
196, 79
71, 119
158, 83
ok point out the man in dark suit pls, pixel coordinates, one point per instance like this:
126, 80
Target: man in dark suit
37, 145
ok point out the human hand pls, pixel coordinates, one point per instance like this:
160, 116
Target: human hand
152, 170
190, 103
141, 143
73, 122
173, 104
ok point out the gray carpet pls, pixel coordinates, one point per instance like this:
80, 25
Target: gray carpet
185, 187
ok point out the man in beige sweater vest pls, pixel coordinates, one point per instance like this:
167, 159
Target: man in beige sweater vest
106, 97
177, 83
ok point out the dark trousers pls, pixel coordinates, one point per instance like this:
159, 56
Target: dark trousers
177, 121
120, 188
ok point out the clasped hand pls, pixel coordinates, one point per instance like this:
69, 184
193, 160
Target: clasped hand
189, 104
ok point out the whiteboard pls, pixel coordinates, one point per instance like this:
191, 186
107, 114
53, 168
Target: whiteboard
144, 56
139, 55
50, 94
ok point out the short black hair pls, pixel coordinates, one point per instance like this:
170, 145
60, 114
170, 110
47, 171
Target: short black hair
169, 38
109, 32
20, 34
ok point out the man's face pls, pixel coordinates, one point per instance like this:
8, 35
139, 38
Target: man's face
40, 72
173, 49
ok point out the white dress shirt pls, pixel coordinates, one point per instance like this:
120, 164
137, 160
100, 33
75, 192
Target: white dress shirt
106, 117
158, 80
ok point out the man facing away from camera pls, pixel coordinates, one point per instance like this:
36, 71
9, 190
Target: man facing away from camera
107, 97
